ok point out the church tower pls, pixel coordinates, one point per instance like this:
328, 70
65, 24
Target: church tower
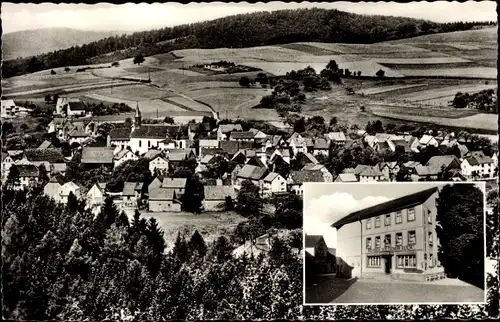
137, 118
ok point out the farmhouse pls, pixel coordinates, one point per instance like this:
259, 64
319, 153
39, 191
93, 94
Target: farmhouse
231, 147
323, 261
124, 155
52, 159
297, 178
246, 136
218, 196
119, 137
337, 138
388, 169
321, 146
96, 157
66, 189
161, 199
367, 173
159, 164
178, 185
96, 194
327, 176
252, 173
224, 131
477, 165
346, 177
130, 194
70, 107
396, 238
428, 140
28, 175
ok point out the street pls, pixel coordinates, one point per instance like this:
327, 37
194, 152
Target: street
329, 289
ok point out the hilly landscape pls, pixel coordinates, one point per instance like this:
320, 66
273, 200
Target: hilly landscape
28, 43
239, 31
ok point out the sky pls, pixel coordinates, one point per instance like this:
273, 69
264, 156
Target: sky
326, 203
143, 16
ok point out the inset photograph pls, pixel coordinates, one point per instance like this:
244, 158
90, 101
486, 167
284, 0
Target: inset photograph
394, 243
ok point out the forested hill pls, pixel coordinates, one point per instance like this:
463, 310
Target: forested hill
246, 30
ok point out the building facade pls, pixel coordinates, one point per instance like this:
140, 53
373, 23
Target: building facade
397, 238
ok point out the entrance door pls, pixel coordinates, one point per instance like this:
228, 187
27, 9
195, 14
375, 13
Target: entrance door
388, 264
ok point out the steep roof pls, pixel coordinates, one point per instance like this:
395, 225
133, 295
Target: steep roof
299, 177
45, 145
226, 128
151, 154
219, 192
122, 153
312, 240
271, 176
129, 188
252, 172
321, 144
159, 193
57, 179
439, 160
347, 177
119, 133
231, 147
311, 158
174, 183
481, 158
76, 106
100, 155
410, 200
150, 132
50, 155
242, 135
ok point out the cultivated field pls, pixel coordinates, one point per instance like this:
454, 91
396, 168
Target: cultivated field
134, 93
186, 103
387, 88
209, 225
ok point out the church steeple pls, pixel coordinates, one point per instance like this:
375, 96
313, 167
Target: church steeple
138, 117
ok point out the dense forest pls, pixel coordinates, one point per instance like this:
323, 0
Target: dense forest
246, 30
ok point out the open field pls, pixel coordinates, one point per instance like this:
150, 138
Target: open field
472, 72
387, 88
209, 225
482, 121
428, 94
187, 103
137, 92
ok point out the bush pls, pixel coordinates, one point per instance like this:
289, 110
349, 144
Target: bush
67, 69
52, 72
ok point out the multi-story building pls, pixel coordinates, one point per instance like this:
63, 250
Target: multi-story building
396, 238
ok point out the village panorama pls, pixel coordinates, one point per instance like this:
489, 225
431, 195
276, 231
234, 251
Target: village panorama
162, 173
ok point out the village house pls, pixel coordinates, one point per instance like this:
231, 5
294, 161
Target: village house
77, 136
96, 194
217, 197
321, 146
477, 166
346, 177
371, 140
327, 176
224, 131
322, 259
160, 164
52, 159
246, 136
178, 185
258, 135
66, 189
243, 155
249, 172
434, 166
297, 144
130, 194
428, 140
297, 178
95, 157
231, 147
273, 183
337, 138
53, 187
156, 183
28, 175
210, 143
8, 108
70, 107
388, 169
304, 159
273, 141
197, 129
123, 156
284, 153
119, 137
161, 200
367, 173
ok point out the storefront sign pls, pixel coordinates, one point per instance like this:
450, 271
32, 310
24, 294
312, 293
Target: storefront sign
390, 250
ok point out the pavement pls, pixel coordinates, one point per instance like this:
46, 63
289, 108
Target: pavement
329, 289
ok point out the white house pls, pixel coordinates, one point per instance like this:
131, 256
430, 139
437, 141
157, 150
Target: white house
124, 155
327, 176
321, 146
53, 187
367, 173
273, 183
96, 194
479, 164
224, 130
297, 143
297, 178
66, 189
119, 137
8, 108
427, 140
159, 163
70, 107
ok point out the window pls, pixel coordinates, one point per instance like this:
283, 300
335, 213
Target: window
406, 261
368, 243
411, 214
140, 143
431, 260
399, 239
149, 144
431, 242
387, 221
411, 238
399, 217
369, 223
377, 242
373, 261
387, 241
377, 222
429, 216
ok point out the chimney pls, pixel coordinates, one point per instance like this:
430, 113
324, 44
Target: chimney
218, 182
